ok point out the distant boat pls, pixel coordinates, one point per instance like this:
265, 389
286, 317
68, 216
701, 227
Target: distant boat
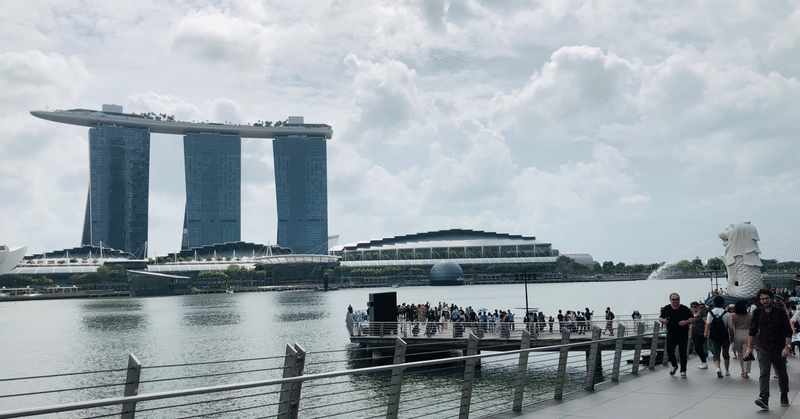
10, 258
228, 291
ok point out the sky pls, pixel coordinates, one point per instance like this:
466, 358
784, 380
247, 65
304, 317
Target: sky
631, 130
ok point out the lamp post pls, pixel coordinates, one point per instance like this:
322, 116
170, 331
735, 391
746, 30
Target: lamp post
525, 277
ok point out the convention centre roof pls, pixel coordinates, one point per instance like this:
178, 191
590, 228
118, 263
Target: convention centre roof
443, 238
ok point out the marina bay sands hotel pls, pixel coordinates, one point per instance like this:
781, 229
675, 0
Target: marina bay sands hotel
119, 157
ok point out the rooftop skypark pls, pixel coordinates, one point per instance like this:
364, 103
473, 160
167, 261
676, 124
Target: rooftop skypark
166, 124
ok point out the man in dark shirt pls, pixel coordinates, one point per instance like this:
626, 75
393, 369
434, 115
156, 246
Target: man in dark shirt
771, 324
677, 318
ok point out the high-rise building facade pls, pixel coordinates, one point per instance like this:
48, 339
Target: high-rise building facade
301, 189
117, 204
213, 166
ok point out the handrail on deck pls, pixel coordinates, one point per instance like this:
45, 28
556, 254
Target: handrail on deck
293, 378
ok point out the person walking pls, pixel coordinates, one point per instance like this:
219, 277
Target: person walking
677, 318
718, 332
698, 334
770, 329
740, 329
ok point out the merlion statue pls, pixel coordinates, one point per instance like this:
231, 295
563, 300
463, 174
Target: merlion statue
742, 260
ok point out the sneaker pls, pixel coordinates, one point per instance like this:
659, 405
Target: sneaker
719, 373
762, 403
702, 366
727, 373
784, 400
674, 369
683, 375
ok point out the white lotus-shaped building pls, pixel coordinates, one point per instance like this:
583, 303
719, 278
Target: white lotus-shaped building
10, 258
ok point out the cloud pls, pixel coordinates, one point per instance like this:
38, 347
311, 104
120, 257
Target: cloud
219, 37
384, 93
30, 76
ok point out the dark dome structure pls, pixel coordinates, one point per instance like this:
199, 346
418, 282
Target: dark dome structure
447, 272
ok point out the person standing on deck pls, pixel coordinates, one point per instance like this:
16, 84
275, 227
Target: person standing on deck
677, 318
609, 321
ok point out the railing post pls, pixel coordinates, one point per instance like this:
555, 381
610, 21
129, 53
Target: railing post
131, 386
593, 359
561, 375
469, 376
290, 392
618, 353
296, 387
654, 345
393, 406
522, 369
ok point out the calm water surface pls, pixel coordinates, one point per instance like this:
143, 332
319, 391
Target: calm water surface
65, 336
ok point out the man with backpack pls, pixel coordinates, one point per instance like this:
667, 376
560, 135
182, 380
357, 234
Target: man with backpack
718, 334
677, 318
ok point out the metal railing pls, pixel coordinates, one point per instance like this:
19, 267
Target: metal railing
474, 384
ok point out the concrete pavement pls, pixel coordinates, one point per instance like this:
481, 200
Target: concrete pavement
657, 395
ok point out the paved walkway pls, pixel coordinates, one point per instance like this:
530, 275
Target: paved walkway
657, 395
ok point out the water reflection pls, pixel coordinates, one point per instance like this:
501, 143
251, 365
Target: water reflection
113, 315
211, 319
128, 304
301, 306
211, 310
115, 322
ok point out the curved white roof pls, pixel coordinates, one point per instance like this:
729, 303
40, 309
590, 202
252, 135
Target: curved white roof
90, 118
10, 258
443, 238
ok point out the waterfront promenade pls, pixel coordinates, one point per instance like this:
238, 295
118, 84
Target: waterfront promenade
657, 395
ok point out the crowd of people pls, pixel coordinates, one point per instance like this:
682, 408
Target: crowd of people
767, 326
430, 319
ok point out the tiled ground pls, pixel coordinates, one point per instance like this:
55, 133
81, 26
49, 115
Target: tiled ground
657, 395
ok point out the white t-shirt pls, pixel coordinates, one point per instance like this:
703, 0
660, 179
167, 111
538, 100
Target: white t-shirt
796, 317
718, 311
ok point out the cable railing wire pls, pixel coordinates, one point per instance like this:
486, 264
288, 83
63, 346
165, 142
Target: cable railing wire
320, 406
207, 401
66, 374
36, 393
228, 361
107, 415
429, 414
191, 377
427, 371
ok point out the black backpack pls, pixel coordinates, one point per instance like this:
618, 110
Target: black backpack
717, 330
